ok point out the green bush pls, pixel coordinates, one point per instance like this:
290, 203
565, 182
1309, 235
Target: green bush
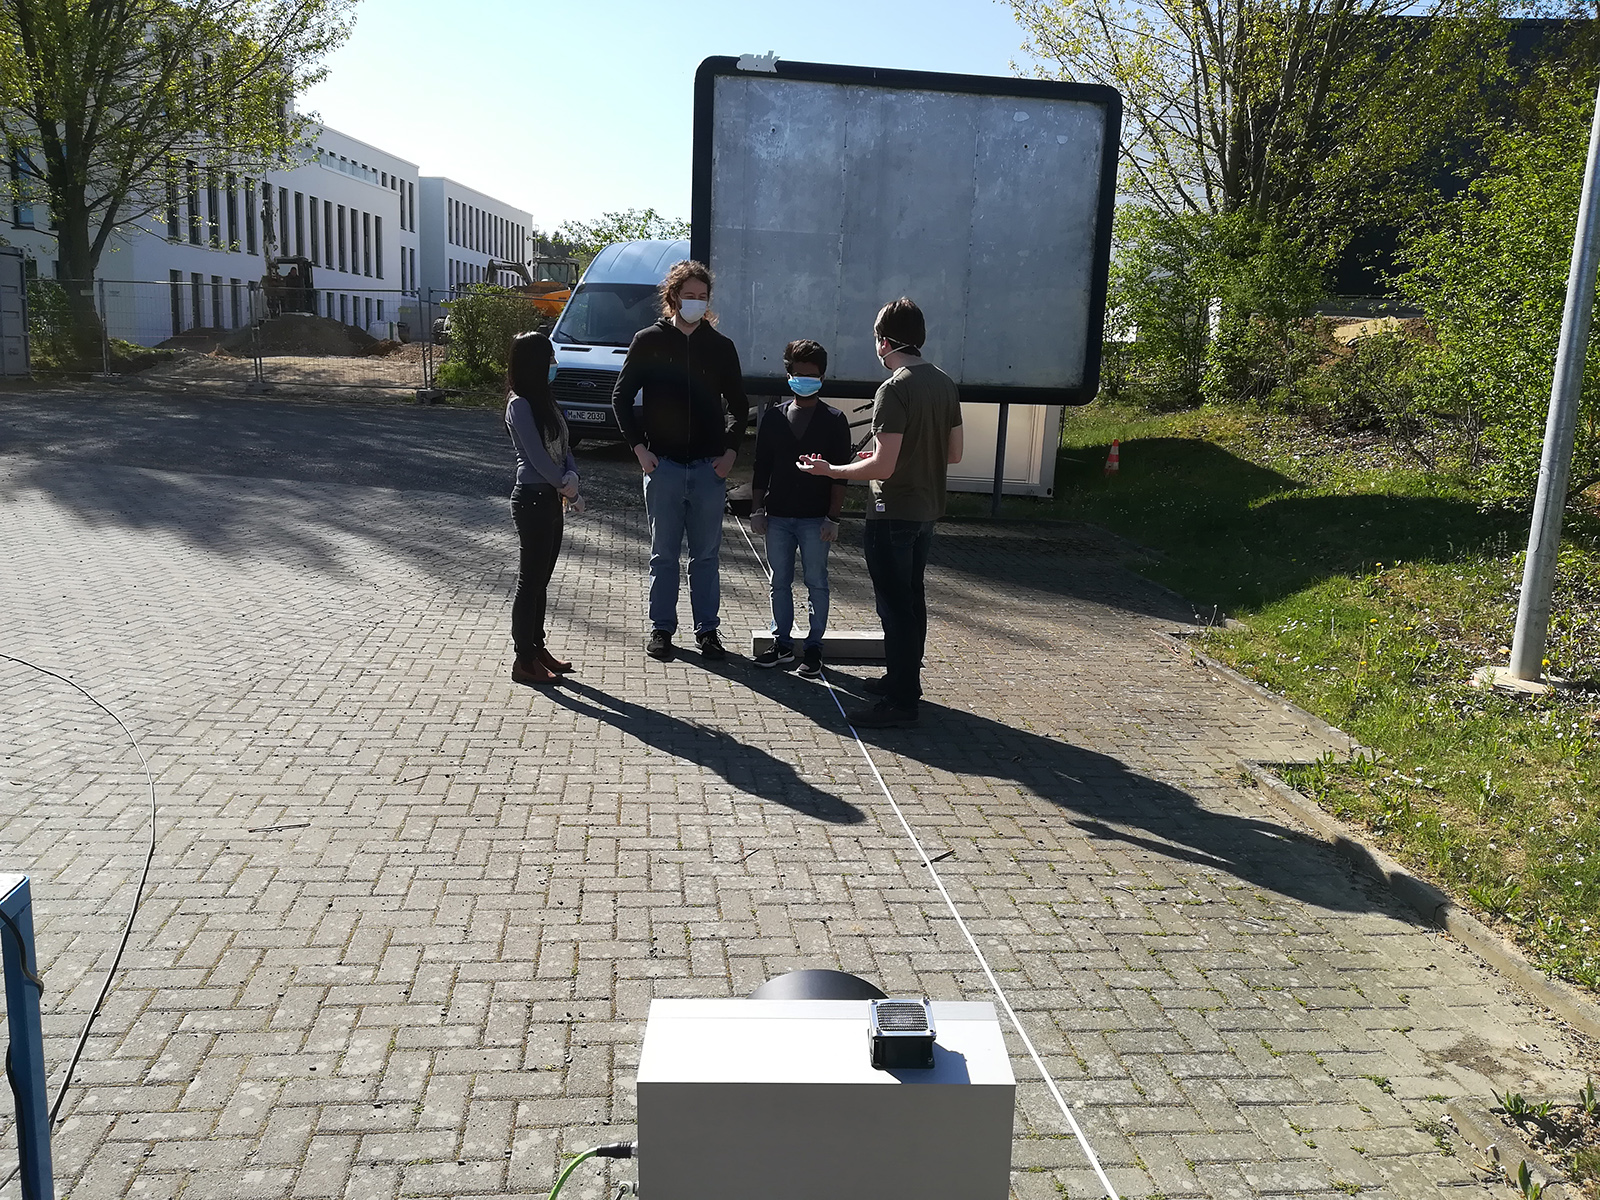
482, 324
1261, 361
1207, 308
50, 340
1491, 276
1156, 300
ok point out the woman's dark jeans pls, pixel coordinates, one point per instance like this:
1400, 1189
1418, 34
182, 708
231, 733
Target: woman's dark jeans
897, 560
537, 513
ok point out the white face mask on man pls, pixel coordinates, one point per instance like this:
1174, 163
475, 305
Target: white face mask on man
691, 311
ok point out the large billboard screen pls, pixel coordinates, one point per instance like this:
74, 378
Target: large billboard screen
821, 192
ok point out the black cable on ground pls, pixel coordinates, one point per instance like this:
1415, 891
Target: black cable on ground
133, 911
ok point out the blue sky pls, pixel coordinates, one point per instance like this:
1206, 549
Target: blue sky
572, 109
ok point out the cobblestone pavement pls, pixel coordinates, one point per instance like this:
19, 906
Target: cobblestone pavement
406, 919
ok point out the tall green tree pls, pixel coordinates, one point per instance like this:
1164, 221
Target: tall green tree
1491, 275
103, 101
588, 238
1302, 109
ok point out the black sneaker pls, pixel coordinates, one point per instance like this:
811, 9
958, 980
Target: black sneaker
660, 645
885, 714
776, 655
710, 646
811, 663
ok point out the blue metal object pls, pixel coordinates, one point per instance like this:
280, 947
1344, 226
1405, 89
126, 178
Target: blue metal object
25, 1054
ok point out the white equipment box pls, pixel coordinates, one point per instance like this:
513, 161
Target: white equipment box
778, 1099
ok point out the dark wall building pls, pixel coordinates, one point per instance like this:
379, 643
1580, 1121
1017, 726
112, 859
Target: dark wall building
1360, 276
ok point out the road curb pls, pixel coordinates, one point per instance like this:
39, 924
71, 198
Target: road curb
1434, 906
1499, 1144
1336, 738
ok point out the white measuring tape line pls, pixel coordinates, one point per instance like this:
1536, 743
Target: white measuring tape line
994, 984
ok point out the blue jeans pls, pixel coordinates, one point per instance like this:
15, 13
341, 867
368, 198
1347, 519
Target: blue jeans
897, 559
784, 536
685, 499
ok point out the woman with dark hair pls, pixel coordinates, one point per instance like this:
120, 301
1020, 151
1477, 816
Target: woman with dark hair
547, 478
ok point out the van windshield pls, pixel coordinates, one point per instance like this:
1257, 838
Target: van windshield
607, 314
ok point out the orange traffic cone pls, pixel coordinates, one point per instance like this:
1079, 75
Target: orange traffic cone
1114, 459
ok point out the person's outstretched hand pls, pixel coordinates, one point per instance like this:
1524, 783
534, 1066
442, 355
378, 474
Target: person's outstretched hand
813, 464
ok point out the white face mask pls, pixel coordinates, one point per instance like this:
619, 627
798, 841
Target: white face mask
691, 311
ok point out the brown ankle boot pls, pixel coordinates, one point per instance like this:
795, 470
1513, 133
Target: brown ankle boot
552, 663
531, 671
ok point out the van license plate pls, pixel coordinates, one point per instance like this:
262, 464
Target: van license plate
588, 415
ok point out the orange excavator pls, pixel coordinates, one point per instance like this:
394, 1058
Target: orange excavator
549, 294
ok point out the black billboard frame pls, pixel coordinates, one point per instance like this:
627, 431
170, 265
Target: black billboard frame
720, 66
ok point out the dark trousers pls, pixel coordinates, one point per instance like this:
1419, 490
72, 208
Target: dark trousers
897, 559
537, 512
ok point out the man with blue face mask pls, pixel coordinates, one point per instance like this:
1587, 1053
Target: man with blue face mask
797, 511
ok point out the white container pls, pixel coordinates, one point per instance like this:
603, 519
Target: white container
777, 1099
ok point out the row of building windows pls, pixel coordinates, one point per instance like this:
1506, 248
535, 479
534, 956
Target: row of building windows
404, 188
460, 274
408, 269
205, 223
346, 239
197, 303
474, 229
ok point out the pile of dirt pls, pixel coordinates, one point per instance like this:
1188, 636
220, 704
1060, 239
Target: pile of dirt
201, 340
298, 334
1347, 331
379, 348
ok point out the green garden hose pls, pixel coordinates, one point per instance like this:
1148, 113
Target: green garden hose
611, 1150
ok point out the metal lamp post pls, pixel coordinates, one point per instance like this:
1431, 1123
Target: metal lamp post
1544, 539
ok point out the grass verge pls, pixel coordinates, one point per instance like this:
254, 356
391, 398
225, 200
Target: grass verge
1368, 592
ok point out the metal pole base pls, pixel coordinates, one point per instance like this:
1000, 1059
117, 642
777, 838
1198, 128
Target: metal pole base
1501, 679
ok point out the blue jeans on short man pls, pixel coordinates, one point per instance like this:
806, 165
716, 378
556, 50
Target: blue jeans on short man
685, 500
784, 536
897, 560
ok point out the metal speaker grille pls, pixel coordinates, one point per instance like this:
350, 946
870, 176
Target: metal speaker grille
902, 1016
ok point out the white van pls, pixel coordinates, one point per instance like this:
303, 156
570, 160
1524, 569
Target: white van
617, 297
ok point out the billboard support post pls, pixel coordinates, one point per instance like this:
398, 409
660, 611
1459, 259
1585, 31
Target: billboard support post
999, 458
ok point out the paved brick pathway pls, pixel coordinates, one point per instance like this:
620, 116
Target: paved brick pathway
406, 918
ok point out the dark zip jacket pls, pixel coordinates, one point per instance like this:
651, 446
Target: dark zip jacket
790, 492
694, 402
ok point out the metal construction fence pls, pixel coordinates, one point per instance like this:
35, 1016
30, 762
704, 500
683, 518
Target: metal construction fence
194, 329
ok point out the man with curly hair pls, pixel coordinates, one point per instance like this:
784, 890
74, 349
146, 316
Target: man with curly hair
685, 434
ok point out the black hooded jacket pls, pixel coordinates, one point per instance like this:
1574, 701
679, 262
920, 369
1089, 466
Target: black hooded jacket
694, 402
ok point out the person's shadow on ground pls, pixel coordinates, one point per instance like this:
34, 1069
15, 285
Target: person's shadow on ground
747, 767
1105, 800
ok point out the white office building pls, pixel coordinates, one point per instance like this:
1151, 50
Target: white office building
352, 213
462, 231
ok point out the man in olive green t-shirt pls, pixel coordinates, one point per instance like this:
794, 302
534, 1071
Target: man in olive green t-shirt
917, 420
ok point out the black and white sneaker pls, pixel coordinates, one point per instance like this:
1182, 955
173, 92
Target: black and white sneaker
811, 663
710, 644
776, 655
660, 645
